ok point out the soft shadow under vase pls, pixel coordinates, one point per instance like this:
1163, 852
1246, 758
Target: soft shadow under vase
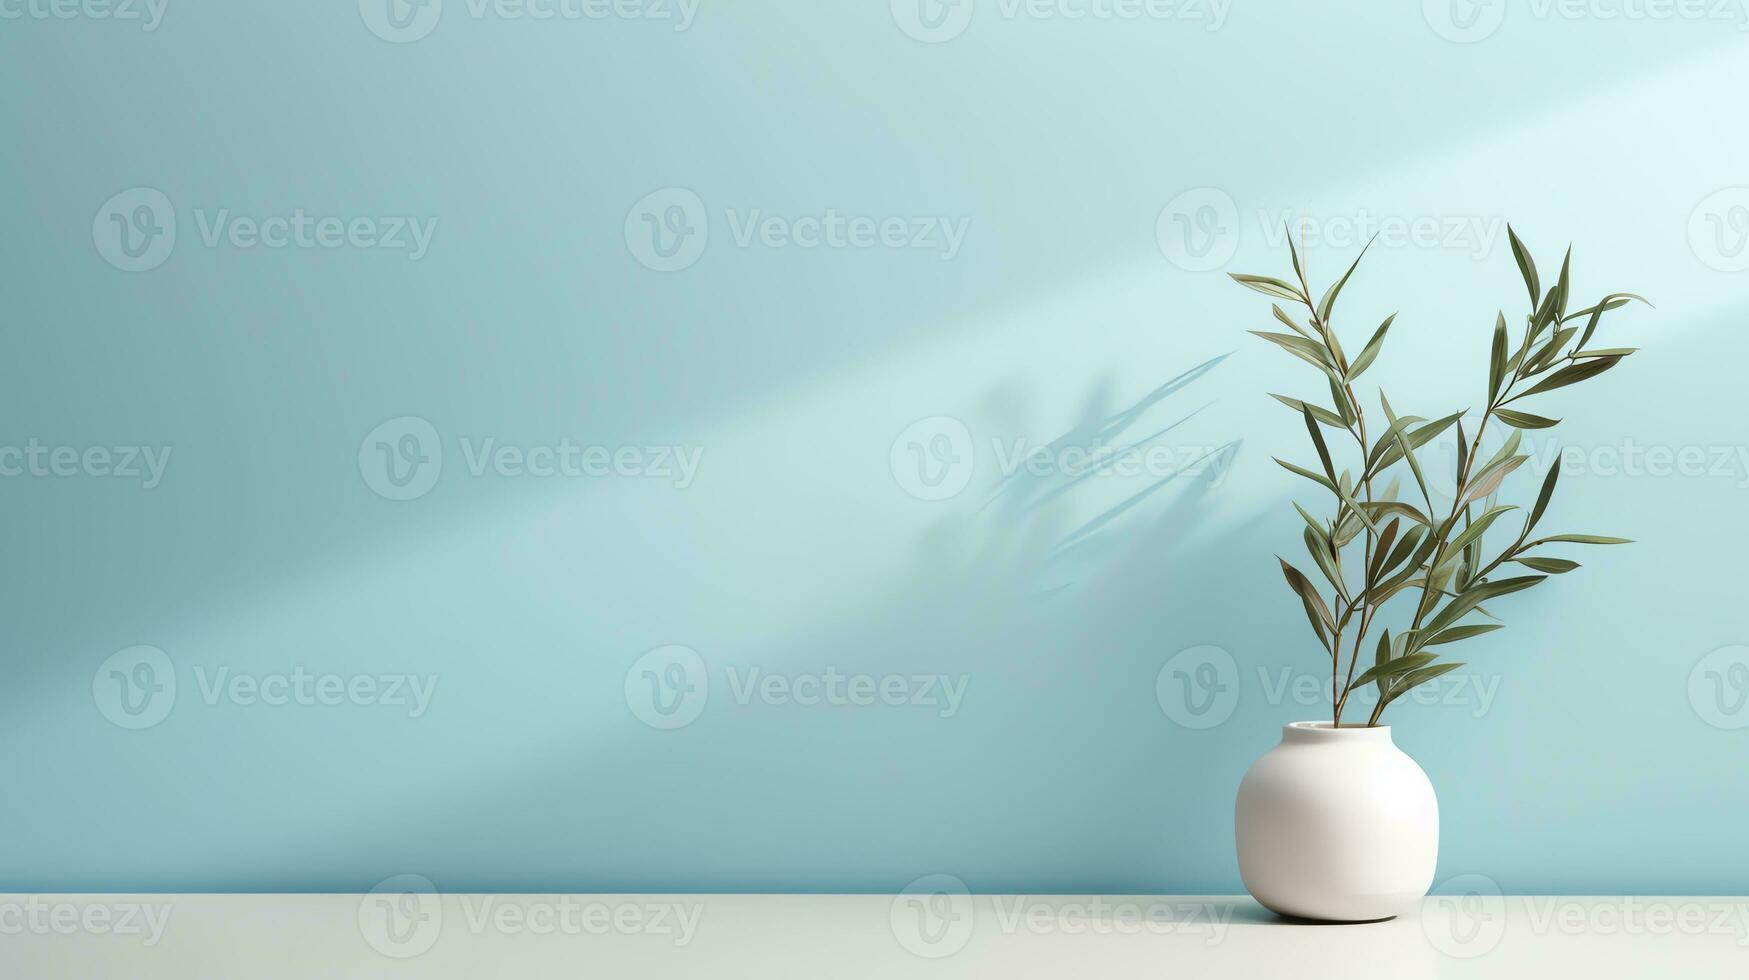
1337, 824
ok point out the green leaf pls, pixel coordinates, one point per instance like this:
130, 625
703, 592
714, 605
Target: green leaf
1416, 678
1610, 302
1550, 350
1489, 481
1317, 478
1543, 497
1553, 304
1605, 352
1415, 439
1497, 358
1370, 352
1268, 286
1319, 548
1572, 374
1378, 509
1310, 351
1399, 665
1292, 252
1340, 398
1553, 566
1381, 548
1403, 550
1323, 415
1381, 657
1328, 303
1316, 610
1578, 539
1457, 633
1526, 266
1318, 441
1477, 528
1405, 452
1284, 318
1469, 599
1524, 420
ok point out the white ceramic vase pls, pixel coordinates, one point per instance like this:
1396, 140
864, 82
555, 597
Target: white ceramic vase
1337, 824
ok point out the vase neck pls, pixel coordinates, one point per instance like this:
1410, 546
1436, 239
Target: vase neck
1320, 733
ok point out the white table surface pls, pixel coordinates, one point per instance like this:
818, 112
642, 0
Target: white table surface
191, 937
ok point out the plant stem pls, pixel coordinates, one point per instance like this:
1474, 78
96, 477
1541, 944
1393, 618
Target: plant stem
1339, 694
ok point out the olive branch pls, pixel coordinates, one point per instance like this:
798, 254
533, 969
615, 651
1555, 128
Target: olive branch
1403, 546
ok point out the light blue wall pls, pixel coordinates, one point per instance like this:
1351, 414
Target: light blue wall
1588, 768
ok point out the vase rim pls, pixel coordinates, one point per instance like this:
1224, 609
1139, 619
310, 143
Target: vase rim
1320, 731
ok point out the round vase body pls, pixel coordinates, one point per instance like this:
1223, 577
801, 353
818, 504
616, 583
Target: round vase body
1336, 824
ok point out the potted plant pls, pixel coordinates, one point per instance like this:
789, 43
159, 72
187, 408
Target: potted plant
1336, 822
